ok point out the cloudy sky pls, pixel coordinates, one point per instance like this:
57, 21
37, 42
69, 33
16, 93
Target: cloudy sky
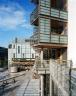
14, 20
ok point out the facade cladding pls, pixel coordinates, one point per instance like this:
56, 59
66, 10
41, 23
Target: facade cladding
20, 49
3, 57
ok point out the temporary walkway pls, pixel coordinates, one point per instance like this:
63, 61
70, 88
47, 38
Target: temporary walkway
30, 87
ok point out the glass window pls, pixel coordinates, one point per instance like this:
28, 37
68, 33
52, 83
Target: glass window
10, 46
32, 55
13, 46
18, 49
13, 55
23, 55
53, 53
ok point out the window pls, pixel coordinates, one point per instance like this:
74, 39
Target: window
10, 46
13, 55
18, 49
32, 55
53, 53
13, 46
23, 55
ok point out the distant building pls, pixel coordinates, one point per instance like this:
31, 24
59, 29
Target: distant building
3, 57
20, 50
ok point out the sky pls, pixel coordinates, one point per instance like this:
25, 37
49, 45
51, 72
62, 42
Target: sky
72, 31
15, 20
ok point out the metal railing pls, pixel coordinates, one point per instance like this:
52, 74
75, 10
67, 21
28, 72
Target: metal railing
59, 39
61, 76
54, 13
34, 15
59, 13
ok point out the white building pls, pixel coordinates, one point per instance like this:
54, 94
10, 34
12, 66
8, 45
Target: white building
20, 49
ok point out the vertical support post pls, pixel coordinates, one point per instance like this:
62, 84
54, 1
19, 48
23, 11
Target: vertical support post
70, 94
41, 56
42, 85
50, 85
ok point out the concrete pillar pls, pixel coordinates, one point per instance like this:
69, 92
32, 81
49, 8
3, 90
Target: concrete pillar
42, 85
41, 56
51, 85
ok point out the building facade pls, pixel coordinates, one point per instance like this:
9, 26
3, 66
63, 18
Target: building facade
20, 50
50, 21
3, 57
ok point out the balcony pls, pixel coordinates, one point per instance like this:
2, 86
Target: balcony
34, 15
35, 30
60, 14
40, 37
50, 40
57, 39
62, 39
18, 59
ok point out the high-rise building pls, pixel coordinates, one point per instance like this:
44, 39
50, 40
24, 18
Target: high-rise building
50, 21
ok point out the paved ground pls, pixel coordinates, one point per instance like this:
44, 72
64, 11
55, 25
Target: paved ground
4, 74
10, 89
30, 87
24, 86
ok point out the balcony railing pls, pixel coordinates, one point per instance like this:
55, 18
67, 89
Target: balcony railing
35, 30
54, 39
59, 13
34, 15
18, 59
54, 13
63, 39
47, 38
60, 39
21, 59
60, 72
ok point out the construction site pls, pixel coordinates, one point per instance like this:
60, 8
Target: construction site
43, 57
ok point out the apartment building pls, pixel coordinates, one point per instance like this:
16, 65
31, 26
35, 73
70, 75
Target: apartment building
20, 51
50, 21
